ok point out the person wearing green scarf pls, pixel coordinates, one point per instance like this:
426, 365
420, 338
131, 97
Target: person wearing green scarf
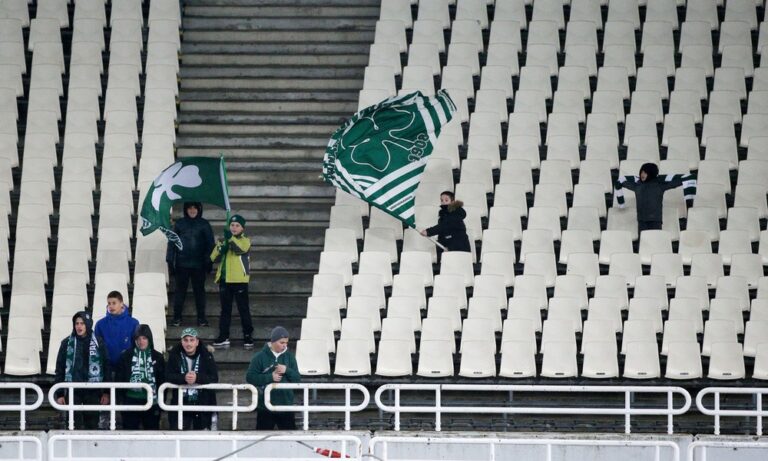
191, 362
141, 364
82, 358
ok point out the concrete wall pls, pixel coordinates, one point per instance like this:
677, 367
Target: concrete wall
421, 446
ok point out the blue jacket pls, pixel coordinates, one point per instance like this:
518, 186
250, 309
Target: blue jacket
117, 333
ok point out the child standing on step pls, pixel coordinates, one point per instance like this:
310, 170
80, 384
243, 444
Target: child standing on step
233, 276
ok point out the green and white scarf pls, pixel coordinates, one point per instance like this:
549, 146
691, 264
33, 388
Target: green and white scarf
142, 371
190, 394
95, 363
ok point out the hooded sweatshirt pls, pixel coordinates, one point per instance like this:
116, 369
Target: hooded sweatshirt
649, 194
450, 229
82, 344
117, 333
124, 368
196, 238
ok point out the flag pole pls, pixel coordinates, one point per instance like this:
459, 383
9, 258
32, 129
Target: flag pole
226, 183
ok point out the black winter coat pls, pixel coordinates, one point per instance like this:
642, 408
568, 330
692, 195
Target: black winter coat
207, 373
649, 197
123, 371
197, 241
450, 229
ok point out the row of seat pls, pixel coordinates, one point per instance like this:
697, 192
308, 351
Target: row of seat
79, 158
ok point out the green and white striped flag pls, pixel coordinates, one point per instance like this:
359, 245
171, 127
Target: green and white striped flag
380, 153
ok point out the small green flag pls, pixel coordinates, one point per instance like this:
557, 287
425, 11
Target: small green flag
191, 179
380, 153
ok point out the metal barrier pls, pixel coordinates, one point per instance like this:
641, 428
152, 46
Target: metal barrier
21, 453
717, 412
702, 445
234, 407
306, 408
182, 446
112, 407
493, 443
627, 411
22, 407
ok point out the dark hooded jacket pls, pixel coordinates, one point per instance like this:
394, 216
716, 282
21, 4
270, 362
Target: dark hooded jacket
196, 238
123, 371
82, 345
207, 372
450, 229
649, 194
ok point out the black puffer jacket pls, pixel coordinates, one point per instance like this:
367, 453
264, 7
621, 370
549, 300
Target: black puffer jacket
207, 373
196, 238
649, 194
450, 229
124, 368
81, 362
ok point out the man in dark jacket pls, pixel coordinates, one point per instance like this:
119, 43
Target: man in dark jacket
274, 364
116, 329
141, 364
450, 229
190, 362
649, 194
82, 358
192, 261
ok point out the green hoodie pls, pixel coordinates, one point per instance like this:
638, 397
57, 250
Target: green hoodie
260, 374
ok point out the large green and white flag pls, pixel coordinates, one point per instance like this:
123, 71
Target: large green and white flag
191, 179
380, 153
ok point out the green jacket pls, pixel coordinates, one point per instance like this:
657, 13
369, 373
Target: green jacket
260, 374
235, 258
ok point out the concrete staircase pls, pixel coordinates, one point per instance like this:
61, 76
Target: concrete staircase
265, 83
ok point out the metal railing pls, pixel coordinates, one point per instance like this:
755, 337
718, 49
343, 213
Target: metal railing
22, 407
703, 445
182, 446
112, 407
438, 409
233, 407
493, 443
756, 392
347, 408
21, 453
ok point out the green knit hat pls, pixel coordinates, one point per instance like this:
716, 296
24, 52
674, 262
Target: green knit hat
238, 219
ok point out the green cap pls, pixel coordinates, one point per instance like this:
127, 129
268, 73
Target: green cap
189, 332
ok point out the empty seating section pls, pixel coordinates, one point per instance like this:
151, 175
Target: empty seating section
562, 284
65, 129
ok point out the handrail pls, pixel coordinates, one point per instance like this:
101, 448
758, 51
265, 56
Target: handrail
22, 407
732, 444
627, 411
234, 407
548, 443
306, 408
112, 406
758, 413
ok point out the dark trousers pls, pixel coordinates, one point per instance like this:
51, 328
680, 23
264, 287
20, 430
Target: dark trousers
148, 420
192, 421
239, 293
267, 420
648, 225
84, 420
182, 278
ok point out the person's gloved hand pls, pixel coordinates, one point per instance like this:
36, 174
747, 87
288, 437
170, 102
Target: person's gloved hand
227, 234
223, 245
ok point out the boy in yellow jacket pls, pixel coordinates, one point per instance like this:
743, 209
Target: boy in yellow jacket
233, 277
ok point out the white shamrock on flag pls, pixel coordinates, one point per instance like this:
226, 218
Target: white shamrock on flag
174, 175
379, 157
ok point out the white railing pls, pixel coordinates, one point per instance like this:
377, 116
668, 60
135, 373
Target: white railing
182, 446
112, 407
509, 408
758, 413
234, 407
492, 444
703, 445
21, 453
22, 407
347, 408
